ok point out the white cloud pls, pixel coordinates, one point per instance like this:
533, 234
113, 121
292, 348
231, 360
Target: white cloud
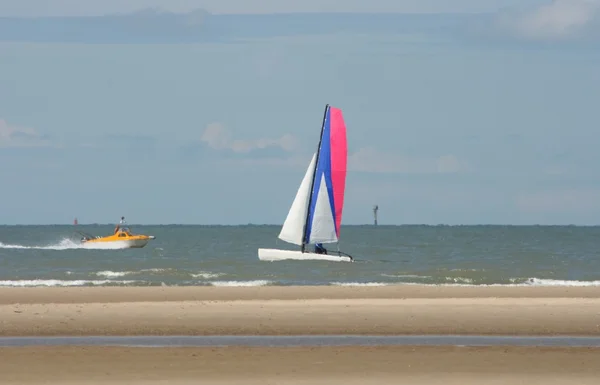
559, 19
219, 137
369, 159
11, 136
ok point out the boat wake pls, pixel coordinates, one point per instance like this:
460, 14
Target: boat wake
66, 244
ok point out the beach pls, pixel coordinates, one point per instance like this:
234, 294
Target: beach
385, 310
295, 366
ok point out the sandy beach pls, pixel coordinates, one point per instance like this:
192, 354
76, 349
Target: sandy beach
299, 310
323, 365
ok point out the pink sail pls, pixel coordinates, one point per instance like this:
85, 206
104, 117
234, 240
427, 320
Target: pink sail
339, 156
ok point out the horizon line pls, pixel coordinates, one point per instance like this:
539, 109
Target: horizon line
279, 225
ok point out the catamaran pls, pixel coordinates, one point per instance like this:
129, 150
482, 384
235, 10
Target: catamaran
316, 213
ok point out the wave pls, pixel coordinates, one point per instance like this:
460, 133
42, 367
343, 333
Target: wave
467, 282
259, 282
58, 282
515, 282
406, 276
65, 244
556, 282
116, 274
360, 284
207, 275
254, 283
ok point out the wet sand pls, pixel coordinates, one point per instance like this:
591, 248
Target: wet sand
300, 310
323, 365
13, 295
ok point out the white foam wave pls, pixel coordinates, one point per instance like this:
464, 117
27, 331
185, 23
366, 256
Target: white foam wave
468, 282
406, 276
558, 282
516, 283
206, 275
359, 284
459, 280
66, 244
115, 274
240, 283
58, 282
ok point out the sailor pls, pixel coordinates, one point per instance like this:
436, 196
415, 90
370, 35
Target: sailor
319, 249
121, 223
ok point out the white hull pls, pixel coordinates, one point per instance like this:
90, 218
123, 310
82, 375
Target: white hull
124, 244
280, 255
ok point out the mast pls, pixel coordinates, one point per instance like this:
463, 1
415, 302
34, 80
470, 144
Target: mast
312, 182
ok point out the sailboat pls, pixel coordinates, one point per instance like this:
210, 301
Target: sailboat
316, 212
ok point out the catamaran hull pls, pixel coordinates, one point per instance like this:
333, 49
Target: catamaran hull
272, 255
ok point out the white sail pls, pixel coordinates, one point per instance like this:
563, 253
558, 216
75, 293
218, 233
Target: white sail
293, 227
322, 228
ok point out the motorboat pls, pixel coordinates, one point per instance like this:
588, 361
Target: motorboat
122, 238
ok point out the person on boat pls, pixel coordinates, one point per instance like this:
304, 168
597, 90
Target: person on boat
121, 223
319, 249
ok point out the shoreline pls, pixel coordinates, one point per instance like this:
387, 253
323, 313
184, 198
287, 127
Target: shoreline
401, 310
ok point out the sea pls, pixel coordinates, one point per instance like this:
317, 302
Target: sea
186, 255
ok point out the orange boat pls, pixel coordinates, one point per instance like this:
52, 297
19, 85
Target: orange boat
122, 239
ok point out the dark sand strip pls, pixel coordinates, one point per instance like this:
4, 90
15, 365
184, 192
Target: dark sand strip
323, 365
30, 295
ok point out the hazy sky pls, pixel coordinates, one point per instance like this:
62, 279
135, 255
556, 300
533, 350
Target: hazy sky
94, 7
441, 128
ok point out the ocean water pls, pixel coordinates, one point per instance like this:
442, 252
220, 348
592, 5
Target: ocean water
227, 256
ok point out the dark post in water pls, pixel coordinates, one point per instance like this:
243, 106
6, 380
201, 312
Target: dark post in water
375, 209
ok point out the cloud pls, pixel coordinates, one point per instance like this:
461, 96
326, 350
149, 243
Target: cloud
557, 20
369, 159
12, 136
219, 137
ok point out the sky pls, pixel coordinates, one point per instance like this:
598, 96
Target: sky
94, 7
491, 119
